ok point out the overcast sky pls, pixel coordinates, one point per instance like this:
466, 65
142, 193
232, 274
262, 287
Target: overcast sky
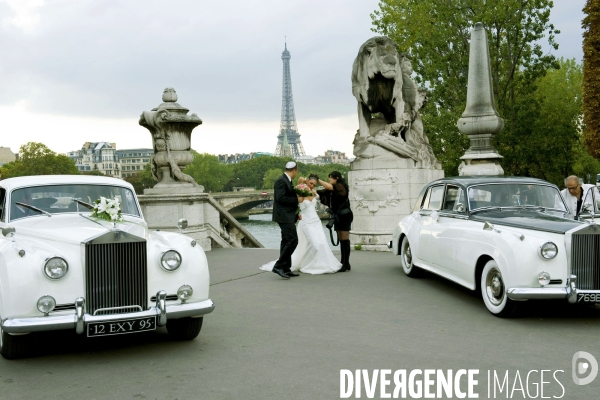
73, 71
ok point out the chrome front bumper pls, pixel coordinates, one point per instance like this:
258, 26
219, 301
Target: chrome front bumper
569, 292
79, 320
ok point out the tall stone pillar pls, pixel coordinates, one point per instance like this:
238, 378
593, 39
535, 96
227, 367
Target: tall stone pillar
480, 121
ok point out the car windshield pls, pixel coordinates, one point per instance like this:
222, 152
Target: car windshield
58, 199
525, 195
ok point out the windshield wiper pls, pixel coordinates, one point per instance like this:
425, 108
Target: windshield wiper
83, 203
488, 208
33, 208
530, 206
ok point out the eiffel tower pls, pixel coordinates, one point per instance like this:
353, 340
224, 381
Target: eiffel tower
288, 140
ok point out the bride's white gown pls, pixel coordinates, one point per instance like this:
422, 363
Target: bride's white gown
313, 255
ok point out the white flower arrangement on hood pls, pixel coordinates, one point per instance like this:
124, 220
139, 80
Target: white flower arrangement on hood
107, 209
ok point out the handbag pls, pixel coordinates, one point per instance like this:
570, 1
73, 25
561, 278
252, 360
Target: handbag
333, 218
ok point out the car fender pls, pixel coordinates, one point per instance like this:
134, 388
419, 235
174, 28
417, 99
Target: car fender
408, 227
523, 259
22, 278
193, 270
518, 259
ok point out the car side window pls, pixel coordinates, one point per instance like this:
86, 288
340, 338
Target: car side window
589, 199
2, 203
433, 200
454, 200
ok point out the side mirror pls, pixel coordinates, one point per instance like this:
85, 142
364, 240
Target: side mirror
182, 224
9, 231
587, 207
460, 207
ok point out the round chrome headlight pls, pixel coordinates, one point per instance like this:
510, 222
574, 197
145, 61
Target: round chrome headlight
548, 250
185, 292
544, 278
170, 260
55, 267
46, 304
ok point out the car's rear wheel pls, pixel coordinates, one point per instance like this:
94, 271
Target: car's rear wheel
493, 291
407, 259
184, 328
12, 346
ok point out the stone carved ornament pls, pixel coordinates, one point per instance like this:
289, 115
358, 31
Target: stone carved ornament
364, 196
382, 85
231, 234
157, 122
171, 130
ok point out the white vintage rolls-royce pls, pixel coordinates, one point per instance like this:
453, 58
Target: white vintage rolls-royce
61, 267
513, 239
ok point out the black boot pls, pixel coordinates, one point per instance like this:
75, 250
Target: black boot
345, 248
348, 247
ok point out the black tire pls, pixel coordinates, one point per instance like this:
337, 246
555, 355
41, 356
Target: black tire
13, 347
493, 291
184, 328
409, 268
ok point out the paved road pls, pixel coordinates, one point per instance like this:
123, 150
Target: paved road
275, 339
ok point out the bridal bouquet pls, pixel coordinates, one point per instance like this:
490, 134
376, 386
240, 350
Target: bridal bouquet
107, 209
303, 190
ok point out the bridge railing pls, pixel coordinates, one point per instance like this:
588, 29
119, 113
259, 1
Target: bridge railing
209, 223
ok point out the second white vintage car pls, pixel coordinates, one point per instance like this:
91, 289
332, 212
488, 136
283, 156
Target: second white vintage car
62, 268
513, 239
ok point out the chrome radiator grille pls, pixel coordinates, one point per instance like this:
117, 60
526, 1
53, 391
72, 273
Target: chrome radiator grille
585, 258
116, 278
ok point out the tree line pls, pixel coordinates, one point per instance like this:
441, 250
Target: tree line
258, 173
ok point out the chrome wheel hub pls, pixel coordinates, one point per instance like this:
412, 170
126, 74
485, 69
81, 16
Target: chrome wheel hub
407, 255
494, 287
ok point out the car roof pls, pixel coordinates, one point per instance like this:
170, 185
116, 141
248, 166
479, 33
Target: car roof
42, 180
478, 180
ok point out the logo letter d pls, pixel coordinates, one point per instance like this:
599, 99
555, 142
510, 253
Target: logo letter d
346, 383
582, 367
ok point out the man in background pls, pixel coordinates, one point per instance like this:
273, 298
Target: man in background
574, 194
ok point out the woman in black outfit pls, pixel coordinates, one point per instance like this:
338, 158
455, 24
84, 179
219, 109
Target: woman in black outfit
336, 198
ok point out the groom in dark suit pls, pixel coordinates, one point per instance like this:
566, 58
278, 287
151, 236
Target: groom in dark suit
284, 213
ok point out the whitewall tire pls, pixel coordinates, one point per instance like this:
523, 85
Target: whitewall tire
406, 258
493, 291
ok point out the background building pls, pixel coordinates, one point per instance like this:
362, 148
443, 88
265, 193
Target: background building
337, 157
97, 156
235, 158
6, 155
332, 157
306, 159
132, 161
104, 157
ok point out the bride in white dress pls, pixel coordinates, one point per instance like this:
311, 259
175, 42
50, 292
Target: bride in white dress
313, 255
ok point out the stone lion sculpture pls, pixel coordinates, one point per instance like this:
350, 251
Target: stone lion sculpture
388, 104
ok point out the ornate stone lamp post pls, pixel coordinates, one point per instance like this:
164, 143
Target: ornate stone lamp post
177, 203
480, 121
171, 128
